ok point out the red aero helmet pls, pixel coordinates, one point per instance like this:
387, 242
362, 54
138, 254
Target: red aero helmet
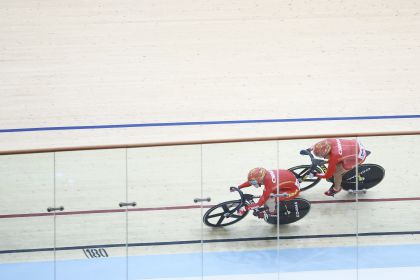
257, 174
322, 148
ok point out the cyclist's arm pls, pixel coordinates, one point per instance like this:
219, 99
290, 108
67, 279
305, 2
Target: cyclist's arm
332, 163
244, 185
260, 202
263, 198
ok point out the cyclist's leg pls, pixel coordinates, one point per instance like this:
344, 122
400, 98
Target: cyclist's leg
271, 205
338, 177
348, 164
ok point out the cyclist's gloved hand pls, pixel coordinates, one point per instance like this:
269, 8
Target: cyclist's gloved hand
251, 207
247, 208
242, 211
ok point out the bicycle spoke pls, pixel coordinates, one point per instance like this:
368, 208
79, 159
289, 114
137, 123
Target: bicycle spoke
215, 215
219, 222
235, 216
310, 180
225, 208
305, 170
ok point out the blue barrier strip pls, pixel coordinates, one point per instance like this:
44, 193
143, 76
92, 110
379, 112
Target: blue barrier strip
219, 263
164, 124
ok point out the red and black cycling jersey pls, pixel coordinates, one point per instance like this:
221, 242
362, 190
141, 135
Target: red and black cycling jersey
344, 151
276, 181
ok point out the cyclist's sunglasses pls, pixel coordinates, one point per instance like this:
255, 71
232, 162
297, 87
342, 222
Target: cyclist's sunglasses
254, 183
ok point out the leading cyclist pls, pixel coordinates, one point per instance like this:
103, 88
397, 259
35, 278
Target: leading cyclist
279, 181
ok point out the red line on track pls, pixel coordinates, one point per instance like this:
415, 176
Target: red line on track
367, 200
8, 216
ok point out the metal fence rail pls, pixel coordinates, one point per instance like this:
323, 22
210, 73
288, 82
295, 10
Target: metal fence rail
214, 141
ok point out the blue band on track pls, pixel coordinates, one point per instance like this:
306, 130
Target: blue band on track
163, 124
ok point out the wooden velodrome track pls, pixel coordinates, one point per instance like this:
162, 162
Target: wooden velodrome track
70, 65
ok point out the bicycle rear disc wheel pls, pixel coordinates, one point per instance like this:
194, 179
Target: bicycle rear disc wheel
369, 176
301, 172
290, 211
216, 215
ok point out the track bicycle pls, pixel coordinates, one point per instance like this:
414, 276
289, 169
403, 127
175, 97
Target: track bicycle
368, 174
226, 213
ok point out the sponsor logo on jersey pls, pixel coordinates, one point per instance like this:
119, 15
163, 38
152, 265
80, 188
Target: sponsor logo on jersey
362, 151
340, 148
273, 176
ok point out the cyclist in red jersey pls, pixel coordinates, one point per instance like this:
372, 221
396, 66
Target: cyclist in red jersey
275, 182
342, 155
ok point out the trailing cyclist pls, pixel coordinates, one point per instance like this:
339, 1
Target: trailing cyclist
342, 155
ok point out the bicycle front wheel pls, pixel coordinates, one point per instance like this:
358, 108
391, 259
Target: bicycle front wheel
301, 172
223, 214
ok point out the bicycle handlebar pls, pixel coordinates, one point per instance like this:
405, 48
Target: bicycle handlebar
236, 189
243, 199
240, 205
306, 152
315, 162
